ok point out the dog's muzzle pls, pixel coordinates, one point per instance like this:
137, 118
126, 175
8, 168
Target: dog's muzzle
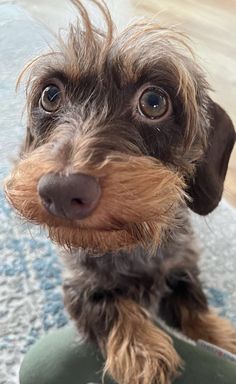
74, 196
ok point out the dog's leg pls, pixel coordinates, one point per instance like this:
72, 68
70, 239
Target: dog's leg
135, 350
185, 307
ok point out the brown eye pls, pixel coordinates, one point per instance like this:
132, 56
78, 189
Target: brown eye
153, 103
51, 98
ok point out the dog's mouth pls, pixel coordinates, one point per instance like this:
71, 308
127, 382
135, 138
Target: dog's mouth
135, 202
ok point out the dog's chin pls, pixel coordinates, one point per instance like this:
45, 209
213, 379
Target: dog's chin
105, 233
109, 238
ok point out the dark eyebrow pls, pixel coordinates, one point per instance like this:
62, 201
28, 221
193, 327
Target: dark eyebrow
51, 74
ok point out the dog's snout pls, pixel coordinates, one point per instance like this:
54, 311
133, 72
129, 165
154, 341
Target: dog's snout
73, 197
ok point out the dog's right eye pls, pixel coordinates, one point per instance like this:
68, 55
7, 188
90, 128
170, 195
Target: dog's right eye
154, 103
51, 98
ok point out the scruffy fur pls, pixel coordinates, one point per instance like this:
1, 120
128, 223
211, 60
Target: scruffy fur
134, 258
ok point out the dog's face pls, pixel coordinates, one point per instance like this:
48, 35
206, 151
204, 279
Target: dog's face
116, 127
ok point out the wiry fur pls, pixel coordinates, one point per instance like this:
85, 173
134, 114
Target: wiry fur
216, 330
134, 258
137, 351
132, 210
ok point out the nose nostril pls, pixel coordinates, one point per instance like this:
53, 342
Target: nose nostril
47, 200
77, 201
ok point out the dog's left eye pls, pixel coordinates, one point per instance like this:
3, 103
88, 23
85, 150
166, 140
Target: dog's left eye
153, 103
51, 98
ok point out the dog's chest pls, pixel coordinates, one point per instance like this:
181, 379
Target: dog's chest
135, 275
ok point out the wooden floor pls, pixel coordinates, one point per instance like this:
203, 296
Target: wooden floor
210, 23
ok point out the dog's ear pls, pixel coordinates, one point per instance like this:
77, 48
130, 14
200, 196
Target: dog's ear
206, 187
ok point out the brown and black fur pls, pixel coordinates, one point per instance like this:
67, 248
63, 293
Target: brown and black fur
135, 257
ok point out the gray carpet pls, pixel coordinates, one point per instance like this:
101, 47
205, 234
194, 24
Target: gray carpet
30, 273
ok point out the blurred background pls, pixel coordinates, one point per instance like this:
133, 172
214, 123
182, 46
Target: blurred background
30, 271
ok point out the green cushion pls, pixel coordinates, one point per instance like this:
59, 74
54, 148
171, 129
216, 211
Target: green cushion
60, 358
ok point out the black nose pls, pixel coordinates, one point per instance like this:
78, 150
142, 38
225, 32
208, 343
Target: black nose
73, 197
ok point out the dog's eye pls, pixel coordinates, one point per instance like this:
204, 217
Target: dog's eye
51, 98
153, 103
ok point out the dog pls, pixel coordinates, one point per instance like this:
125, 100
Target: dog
122, 141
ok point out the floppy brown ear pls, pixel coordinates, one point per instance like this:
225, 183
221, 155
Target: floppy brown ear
206, 187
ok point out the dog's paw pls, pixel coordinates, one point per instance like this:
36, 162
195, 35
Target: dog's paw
138, 352
222, 333
210, 327
147, 357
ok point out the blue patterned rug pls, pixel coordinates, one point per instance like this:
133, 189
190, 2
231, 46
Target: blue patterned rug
30, 272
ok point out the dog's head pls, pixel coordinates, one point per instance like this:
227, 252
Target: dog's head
120, 130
